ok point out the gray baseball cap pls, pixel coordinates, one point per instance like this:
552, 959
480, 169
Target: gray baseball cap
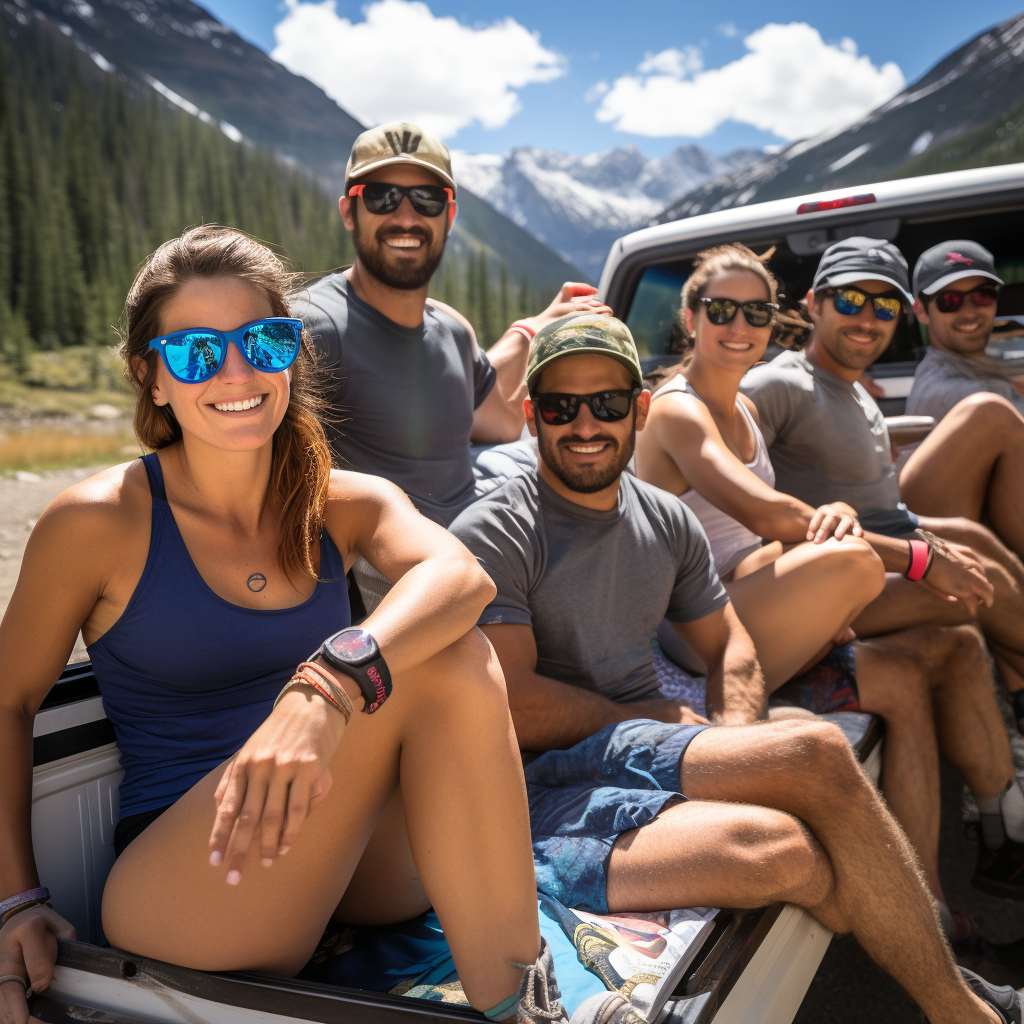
951, 261
863, 259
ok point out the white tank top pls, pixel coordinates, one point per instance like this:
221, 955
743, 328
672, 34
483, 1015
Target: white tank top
730, 540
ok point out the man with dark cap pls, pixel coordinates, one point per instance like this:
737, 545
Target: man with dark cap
636, 804
411, 386
972, 464
828, 441
957, 291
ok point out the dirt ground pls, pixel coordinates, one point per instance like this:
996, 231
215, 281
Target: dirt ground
21, 503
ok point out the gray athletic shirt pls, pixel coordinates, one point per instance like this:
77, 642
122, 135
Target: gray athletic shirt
403, 396
944, 378
593, 585
827, 440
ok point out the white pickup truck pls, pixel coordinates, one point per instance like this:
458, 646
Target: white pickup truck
645, 270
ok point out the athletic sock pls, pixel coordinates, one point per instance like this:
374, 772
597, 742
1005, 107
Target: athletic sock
993, 834
947, 921
1011, 804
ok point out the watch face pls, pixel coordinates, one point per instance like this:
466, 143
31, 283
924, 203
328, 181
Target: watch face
353, 646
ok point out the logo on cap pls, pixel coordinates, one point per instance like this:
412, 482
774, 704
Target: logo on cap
952, 258
404, 143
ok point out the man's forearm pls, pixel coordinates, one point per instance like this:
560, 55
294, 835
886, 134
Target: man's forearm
549, 715
893, 551
508, 357
735, 689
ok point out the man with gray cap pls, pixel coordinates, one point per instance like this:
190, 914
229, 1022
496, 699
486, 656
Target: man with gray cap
411, 387
972, 464
827, 440
635, 803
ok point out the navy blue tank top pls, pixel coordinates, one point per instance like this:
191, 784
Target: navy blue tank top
186, 677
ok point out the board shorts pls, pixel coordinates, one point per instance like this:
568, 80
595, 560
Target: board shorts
582, 799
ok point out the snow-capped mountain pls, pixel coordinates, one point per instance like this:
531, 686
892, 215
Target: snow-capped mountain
578, 205
948, 118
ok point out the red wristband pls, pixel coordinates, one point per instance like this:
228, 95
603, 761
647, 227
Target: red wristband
522, 325
919, 552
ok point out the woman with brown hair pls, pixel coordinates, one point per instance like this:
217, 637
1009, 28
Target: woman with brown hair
798, 594
257, 802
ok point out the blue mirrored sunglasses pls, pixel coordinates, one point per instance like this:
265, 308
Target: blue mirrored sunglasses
196, 355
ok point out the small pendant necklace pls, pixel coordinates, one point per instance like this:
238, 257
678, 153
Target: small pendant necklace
256, 582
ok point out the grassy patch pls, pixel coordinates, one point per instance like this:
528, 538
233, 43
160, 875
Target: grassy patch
52, 448
60, 383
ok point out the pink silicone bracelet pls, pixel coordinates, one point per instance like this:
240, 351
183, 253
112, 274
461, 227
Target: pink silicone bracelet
918, 560
525, 329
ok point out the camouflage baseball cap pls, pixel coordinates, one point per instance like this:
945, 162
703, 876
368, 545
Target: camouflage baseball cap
583, 332
398, 143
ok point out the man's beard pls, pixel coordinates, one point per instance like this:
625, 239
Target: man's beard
407, 275
855, 358
586, 479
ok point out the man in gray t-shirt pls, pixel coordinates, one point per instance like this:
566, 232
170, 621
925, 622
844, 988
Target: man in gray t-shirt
636, 802
410, 387
972, 464
828, 441
537, 546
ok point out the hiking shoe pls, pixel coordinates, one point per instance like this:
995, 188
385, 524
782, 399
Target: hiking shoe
1000, 872
1001, 998
1000, 963
538, 991
606, 1008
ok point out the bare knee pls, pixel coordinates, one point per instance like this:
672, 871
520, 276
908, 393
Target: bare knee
986, 413
862, 570
467, 670
819, 764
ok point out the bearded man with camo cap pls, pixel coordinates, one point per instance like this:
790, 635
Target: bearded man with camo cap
411, 386
636, 804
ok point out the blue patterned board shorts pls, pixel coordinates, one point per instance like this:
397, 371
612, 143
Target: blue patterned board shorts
584, 798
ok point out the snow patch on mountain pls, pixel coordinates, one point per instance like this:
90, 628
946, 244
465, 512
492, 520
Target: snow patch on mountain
580, 204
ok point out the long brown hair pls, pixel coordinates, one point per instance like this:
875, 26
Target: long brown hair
300, 466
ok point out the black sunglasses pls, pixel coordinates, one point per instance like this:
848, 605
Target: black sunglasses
950, 300
557, 409
723, 311
850, 301
382, 197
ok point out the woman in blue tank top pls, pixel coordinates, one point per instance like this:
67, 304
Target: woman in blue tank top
201, 577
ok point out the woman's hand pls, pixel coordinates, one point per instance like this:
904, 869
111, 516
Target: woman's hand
837, 519
28, 948
275, 780
958, 575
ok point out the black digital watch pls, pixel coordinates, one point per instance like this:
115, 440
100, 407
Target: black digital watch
355, 652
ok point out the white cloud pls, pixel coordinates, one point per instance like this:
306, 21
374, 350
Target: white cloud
403, 63
790, 82
729, 29
672, 62
596, 91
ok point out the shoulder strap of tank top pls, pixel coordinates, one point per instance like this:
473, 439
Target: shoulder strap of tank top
155, 474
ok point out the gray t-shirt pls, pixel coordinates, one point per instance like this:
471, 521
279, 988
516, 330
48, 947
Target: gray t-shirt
403, 397
593, 585
827, 440
944, 378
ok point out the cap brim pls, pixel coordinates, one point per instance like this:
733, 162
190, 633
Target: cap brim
958, 275
597, 350
856, 275
403, 158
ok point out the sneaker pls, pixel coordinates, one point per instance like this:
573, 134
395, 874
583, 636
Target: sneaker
538, 991
606, 1008
1001, 998
1000, 963
1000, 872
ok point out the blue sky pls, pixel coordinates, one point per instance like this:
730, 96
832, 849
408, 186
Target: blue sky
603, 74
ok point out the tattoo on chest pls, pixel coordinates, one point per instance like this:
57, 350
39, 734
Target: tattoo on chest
256, 582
